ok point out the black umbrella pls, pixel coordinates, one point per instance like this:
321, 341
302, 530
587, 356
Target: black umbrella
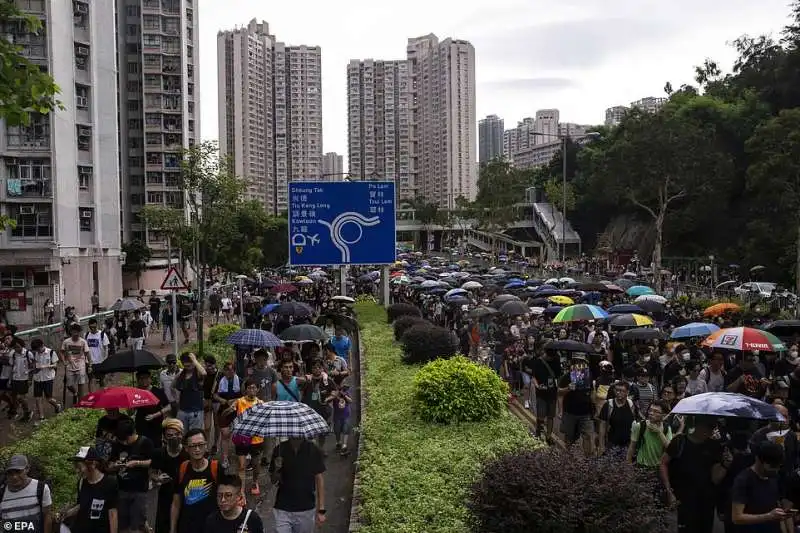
303, 332
515, 308
457, 300
294, 309
650, 306
569, 346
784, 328
480, 312
640, 334
498, 302
129, 361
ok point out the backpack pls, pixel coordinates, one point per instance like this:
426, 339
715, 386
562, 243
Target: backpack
642, 430
185, 468
612, 404
40, 485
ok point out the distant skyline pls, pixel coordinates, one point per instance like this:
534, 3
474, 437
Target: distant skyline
579, 56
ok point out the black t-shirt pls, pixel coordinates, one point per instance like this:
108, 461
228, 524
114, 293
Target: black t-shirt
191, 397
152, 429
751, 384
545, 376
216, 523
210, 383
155, 304
198, 492
136, 328
619, 419
577, 402
95, 500
297, 485
104, 434
759, 496
690, 467
133, 479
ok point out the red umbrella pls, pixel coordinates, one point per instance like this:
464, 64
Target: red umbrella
118, 398
283, 287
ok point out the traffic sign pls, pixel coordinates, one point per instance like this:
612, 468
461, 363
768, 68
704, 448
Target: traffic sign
173, 281
341, 223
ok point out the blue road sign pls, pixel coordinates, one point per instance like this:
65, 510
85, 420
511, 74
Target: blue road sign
342, 223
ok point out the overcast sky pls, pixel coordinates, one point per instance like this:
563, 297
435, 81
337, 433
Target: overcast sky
580, 56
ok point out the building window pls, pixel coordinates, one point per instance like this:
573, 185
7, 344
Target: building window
133, 30
132, 48
134, 124
155, 178
135, 162
81, 97
132, 10
84, 138
133, 67
84, 177
35, 135
34, 221
155, 197
12, 279
28, 178
86, 216
133, 105
81, 56
80, 14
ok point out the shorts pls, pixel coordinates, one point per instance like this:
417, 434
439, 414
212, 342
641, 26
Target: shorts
545, 408
132, 509
525, 378
253, 450
43, 389
77, 378
5, 384
20, 386
341, 426
575, 426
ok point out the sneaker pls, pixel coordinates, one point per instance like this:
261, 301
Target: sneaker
344, 451
59, 408
255, 490
338, 446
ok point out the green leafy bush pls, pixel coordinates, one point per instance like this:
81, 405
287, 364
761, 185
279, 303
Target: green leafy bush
53, 443
414, 475
395, 311
402, 324
457, 390
222, 352
425, 342
217, 334
563, 491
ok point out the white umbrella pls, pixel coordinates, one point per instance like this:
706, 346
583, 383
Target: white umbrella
629, 275
651, 298
470, 285
566, 280
551, 281
537, 310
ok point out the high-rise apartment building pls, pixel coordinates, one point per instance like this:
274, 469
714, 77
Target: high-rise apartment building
444, 121
60, 171
159, 110
614, 115
509, 143
490, 138
332, 167
270, 111
379, 117
570, 129
650, 104
545, 126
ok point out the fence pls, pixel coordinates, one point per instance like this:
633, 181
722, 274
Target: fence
54, 334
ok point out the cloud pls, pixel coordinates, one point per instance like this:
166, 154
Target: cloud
574, 44
530, 84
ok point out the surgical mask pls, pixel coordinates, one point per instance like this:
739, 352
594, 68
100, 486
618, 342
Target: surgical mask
646, 359
686, 356
793, 355
173, 444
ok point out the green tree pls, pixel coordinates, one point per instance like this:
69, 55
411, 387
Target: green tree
275, 243
554, 191
427, 213
500, 187
137, 254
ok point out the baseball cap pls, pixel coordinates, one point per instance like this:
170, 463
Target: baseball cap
86, 453
17, 462
172, 358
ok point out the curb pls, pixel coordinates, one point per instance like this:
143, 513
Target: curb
355, 499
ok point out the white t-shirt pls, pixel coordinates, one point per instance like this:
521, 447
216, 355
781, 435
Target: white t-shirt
44, 358
20, 364
227, 305
98, 346
23, 506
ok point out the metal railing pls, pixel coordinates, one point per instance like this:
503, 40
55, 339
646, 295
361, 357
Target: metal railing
54, 334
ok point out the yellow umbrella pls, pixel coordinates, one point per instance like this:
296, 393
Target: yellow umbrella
303, 278
561, 300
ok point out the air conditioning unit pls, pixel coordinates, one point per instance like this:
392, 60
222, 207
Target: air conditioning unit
84, 131
81, 101
18, 283
27, 210
82, 51
79, 8
86, 213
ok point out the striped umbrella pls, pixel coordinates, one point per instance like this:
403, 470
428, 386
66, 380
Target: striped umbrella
580, 312
744, 339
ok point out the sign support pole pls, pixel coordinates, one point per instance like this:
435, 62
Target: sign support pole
175, 322
385, 286
343, 280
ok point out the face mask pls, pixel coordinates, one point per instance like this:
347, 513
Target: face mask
792, 355
686, 356
682, 372
646, 359
173, 444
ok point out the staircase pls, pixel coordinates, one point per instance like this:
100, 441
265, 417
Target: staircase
553, 228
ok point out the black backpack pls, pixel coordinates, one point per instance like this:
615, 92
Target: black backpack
642, 430
40, 485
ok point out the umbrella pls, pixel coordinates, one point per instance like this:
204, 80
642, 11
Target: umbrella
784, 328
744, 339
624, 283
592, 286
721, 309
580, 312
566, 280
569, 346
269, 308
294, 309
343, 299
630, 320
651, 298
454, 292
651, 306
128, 361
118, 398
254, 337
304, 332
283, 287
640, 334
281, 420
480, 312
728, 405
624, 308
470, 285
127, 304
553, 310
514, 285
562, 300
695, 329
429, 284
515, 308
498, 302
638, 290
458, 299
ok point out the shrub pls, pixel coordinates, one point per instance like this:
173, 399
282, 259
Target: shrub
402, 324
425, 342
223, 353
415, 476
457, 390
557, 491
217, 334
395, 311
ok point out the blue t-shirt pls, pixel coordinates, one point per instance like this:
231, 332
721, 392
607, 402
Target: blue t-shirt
342, 346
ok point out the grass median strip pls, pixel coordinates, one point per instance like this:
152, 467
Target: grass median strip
415, 475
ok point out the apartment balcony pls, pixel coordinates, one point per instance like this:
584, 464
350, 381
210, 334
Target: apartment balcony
28, 189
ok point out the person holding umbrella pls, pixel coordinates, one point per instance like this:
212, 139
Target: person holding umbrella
297, 467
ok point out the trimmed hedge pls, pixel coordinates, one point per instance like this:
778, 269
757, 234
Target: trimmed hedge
217, 334
222, 352
414, 475
52, 444
395, 311
402, 324
457, 390
426, 342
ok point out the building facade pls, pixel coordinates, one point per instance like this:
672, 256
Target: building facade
379, 125
491, 138
650, 104
615, 114
332, 167
444, 122
270, 111
159, 109
545, 126
60, 171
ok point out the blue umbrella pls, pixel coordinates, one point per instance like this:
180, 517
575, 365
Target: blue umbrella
620, 309
729, 405
695, 329
547, 287
254, 337
514, 285
267, 309
638, 290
